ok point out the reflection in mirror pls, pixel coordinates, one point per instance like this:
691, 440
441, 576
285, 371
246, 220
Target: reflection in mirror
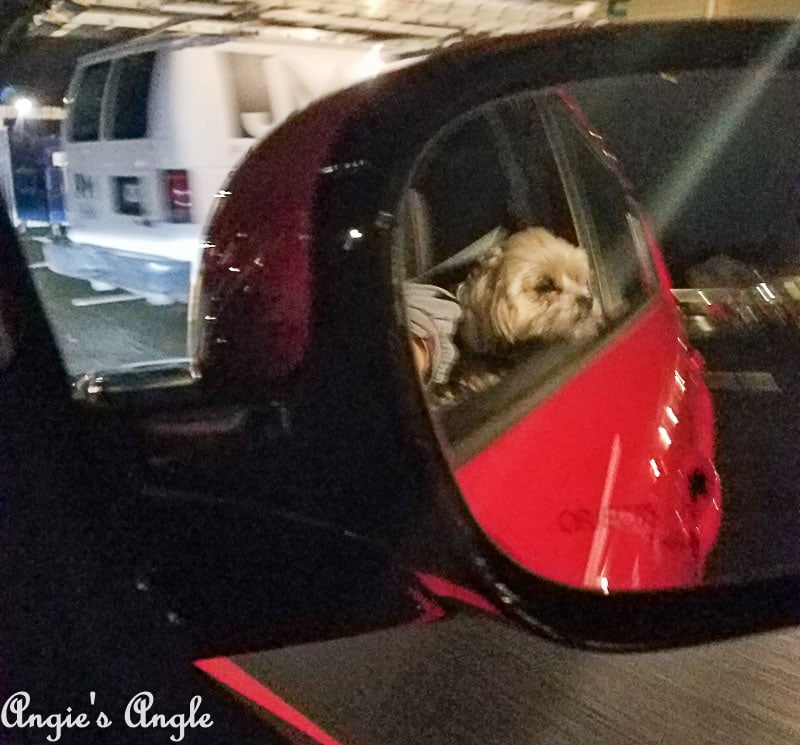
566, 389
716, 160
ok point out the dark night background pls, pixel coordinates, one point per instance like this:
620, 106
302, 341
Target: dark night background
43, 66
40, 64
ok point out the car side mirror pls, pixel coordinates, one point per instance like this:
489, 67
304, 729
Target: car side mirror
465, 303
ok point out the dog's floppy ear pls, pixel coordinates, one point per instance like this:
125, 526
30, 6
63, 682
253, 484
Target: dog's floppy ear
493, 257
504, 313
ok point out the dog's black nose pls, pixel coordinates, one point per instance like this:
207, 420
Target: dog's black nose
585, 302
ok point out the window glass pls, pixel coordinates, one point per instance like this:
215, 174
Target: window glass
466, 163
610, 224
500, 297
88, 102
248, 77
131, 96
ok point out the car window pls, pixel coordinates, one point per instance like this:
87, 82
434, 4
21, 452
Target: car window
610, 221
87, 103
511, 279
466, 162
131, 96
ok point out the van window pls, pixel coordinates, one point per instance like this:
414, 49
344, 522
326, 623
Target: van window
250, 90
131, 95
88, 103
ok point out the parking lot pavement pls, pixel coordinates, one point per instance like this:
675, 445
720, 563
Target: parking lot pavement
754, 377
104, 330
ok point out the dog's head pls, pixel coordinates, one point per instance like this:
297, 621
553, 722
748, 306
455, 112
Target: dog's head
536, 286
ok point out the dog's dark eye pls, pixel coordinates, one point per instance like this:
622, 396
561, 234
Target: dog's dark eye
545, 285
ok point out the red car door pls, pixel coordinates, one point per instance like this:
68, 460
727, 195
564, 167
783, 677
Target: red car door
590, 461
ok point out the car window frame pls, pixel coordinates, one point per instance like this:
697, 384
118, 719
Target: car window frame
561, 121
470, 426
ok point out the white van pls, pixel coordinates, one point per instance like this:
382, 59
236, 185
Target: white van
152, 131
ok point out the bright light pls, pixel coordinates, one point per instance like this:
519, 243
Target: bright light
792, 288
24, 106
767, 290
157, 267
372, 65
654, 468
703, 324
356, 233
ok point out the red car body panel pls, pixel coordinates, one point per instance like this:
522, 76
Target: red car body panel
610, 483
594, 487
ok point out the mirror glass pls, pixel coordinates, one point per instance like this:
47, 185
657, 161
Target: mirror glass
602, 294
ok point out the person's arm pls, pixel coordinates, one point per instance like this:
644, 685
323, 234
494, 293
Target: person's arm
433, 314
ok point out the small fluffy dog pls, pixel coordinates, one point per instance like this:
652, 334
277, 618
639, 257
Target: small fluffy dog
534, 285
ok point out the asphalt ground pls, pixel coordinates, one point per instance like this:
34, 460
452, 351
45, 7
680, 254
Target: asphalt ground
103, 330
